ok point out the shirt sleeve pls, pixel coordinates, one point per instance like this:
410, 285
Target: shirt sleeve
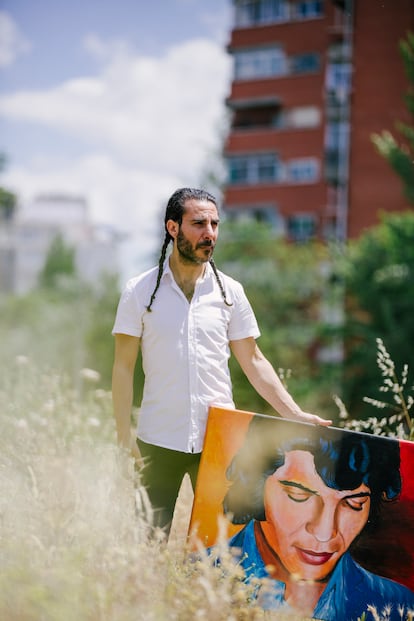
243, 323
129, 312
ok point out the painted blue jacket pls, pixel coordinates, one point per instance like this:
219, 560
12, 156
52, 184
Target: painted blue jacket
346, 596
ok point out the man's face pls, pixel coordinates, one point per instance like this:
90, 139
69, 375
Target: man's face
198, 232
309, 525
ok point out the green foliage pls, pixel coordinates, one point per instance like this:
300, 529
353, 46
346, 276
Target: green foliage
395, 404
400, 159
67, 328
379, 278
8, 200
98, 339
60, 263
285, 284
7, 204
401, 156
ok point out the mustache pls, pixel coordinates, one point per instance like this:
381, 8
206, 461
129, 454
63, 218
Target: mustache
206, 244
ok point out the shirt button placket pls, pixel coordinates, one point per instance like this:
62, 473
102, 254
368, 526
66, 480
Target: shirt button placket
192, 373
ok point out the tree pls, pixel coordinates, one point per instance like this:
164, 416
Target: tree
285, 285
379, 279
401, 156
8, 200
60, 261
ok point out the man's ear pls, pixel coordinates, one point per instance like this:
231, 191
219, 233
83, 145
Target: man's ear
172, 228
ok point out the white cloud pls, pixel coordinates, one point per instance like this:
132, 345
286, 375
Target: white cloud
155, 112
145, 126
12, 41
103, 49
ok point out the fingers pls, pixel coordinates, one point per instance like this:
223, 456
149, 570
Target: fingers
306, 417
135, 452
324, 422
321, 421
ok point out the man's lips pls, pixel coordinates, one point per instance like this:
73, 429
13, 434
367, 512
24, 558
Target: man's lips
314, 558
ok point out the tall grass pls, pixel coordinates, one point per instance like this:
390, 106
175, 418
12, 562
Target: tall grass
76, 540
76, 535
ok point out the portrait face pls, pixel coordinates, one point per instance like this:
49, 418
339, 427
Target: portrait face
309, 525
197, 234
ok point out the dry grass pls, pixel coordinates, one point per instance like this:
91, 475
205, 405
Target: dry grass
76, 541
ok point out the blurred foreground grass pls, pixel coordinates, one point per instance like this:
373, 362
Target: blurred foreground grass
76, 540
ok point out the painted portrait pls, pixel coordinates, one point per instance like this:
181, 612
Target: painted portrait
324, 514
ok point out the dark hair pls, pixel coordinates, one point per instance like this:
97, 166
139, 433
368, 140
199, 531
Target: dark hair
343, 460
174, 211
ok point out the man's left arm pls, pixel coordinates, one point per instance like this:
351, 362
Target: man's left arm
267, 383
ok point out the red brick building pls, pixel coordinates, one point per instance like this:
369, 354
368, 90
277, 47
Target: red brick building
312, 80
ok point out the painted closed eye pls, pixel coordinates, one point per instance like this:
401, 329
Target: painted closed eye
298, 495
356, 504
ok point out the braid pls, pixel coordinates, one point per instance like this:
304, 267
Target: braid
220, 284
174, 211
160, 269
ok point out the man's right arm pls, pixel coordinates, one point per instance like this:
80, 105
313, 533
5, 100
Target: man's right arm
126, 353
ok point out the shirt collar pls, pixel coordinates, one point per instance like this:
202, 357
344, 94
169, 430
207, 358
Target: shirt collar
167, 273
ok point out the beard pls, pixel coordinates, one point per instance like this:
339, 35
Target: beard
188, 252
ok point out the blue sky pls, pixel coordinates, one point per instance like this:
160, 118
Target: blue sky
120, 101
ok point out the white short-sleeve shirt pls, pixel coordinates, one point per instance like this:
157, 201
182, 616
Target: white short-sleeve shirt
185, 352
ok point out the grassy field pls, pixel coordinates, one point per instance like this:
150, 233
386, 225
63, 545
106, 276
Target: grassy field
76, 541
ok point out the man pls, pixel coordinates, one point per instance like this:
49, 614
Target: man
187, 317
305, 498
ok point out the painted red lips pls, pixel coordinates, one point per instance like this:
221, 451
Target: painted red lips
314, 558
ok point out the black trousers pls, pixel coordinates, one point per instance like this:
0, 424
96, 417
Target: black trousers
162, 475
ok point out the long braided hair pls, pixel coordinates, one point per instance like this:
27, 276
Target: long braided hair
174, 211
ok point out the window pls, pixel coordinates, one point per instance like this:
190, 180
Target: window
303, 170
337, 136
305, 9
266, 167
252, 12
238, 170
253, 169
338, 80
336, 149
257, 117
301, 227
260, 63
305, 63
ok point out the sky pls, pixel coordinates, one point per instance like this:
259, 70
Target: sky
117, 101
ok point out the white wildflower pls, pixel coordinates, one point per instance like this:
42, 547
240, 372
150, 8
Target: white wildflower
90, 375
93, 421
374, 612
22, 360
404, 375
21, 423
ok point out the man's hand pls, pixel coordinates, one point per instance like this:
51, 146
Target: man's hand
306, 417
135, 452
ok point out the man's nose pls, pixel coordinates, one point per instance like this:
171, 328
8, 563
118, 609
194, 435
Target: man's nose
208, 231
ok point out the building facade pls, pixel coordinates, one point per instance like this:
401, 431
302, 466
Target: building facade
25, 241
312, 81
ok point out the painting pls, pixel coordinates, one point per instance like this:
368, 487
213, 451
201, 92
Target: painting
326, 515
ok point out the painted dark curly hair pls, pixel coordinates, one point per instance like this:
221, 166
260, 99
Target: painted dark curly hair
343, 460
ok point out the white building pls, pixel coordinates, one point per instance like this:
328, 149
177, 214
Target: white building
37, 223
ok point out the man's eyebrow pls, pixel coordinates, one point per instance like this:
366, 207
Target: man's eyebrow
299, 486
202, 219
